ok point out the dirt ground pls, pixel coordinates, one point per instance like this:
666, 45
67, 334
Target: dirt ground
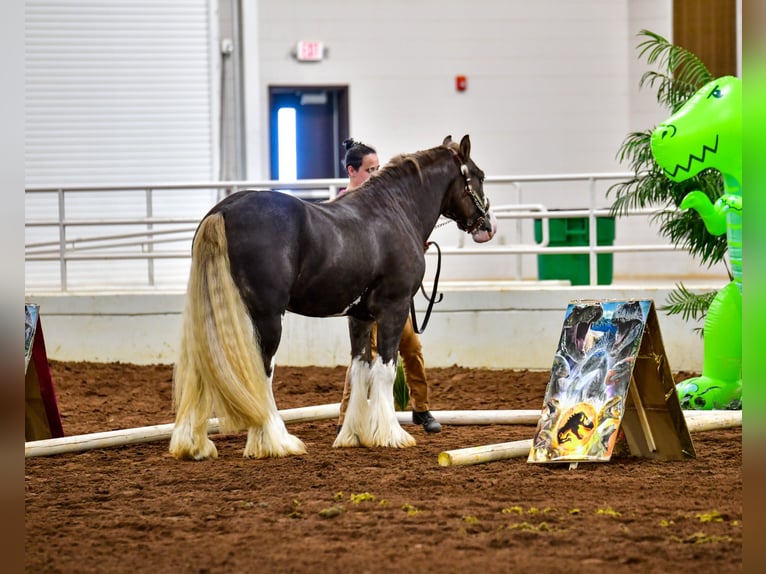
136, 509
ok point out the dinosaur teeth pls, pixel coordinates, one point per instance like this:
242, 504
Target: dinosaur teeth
692, 157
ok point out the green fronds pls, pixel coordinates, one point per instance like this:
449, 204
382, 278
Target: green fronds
689, 305
676, 76
680, 73
687, 230
683, 228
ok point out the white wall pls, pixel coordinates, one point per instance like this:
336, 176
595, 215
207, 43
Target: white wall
546, 80
552, 88
490, 327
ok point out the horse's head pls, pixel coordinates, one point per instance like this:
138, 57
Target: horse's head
465, 202
706, 132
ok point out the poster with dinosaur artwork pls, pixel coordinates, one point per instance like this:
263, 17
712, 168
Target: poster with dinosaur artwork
589, 391
30, 326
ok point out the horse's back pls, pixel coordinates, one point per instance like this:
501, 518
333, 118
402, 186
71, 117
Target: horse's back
285, 253
253, 205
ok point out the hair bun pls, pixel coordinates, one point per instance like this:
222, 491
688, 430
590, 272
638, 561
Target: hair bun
349, 143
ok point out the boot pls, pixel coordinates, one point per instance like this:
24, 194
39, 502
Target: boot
425, 418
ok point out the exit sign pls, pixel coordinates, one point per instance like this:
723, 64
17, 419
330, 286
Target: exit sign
309, 51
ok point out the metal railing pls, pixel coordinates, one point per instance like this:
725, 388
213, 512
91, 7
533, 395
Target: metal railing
153, 232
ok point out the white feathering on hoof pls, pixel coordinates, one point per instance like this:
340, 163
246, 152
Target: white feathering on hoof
271, 439
374, 422
355, 431
188, 443
384, 426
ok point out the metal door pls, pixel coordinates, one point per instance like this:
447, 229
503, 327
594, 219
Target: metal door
307, 126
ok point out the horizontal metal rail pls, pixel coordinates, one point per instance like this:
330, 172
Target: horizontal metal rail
140, 245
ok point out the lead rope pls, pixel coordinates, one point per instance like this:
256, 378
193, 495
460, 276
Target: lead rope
432, 299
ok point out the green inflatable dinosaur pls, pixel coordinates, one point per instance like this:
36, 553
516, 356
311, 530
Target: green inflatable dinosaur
707, 133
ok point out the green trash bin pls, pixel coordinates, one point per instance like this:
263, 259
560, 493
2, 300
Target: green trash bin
571, 232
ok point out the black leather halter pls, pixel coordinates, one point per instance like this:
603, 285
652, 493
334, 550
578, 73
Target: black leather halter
482, 206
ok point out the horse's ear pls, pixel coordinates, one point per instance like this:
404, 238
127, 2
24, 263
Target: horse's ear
465, 147
447, 140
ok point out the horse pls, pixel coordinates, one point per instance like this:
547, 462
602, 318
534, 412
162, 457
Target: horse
257, 254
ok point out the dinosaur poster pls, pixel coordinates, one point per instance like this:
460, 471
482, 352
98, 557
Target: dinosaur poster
609, 379
30, 326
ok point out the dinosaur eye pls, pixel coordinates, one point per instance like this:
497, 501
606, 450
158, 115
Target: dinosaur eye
716, 93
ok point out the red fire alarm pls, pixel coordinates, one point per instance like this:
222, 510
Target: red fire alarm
461, 83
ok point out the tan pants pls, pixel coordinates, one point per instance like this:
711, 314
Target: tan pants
414, 370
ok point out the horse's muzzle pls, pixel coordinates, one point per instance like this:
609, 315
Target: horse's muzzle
486, 230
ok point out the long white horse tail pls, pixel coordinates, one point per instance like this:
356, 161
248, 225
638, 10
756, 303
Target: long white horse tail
220, 366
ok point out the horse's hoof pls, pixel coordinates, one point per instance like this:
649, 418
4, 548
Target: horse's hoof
404, 442
189, 443
346, 439
259, 447
206, 452
401, 439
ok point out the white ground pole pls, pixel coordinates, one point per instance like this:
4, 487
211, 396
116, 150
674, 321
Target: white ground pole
472, 455
152, 433
695, 421
122, 437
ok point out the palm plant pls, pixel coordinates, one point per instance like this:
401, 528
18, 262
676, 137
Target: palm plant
678, 75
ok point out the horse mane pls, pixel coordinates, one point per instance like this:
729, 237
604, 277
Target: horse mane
401, 159
401, 169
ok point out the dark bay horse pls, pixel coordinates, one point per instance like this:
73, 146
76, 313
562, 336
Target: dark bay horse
258, 254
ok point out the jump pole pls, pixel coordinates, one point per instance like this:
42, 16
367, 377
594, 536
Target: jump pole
696, 421
478, 417
123, 437
152, 433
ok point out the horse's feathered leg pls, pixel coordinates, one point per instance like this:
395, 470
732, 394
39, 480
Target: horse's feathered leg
355, 431
384, 427
220, 363
271, 439
372, 422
